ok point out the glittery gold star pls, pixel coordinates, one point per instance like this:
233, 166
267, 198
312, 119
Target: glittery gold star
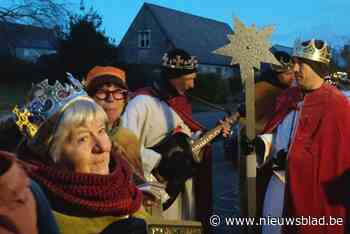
23, 121
248, 47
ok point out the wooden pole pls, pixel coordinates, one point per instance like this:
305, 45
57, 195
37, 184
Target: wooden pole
248, 162
248, 47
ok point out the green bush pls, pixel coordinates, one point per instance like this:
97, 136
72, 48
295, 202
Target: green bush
211, 88
140, 75
16, 77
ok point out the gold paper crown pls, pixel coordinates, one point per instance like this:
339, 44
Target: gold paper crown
46, 101
179, 63
311, 52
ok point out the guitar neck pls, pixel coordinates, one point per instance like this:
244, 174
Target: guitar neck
198, 144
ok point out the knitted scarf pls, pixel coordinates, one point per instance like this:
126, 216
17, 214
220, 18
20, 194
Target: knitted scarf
101, 195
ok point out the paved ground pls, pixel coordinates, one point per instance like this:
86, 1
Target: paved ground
225, 179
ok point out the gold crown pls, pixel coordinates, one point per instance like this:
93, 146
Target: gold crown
179, 63
311, 52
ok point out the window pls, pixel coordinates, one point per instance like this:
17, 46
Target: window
145, 39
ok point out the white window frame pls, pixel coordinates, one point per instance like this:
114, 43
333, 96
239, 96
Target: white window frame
144, 37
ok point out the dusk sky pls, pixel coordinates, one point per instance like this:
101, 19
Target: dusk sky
325, 19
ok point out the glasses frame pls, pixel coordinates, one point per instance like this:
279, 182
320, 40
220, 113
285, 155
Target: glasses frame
117, 94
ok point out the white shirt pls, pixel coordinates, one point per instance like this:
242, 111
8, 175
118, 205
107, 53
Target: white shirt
151, 119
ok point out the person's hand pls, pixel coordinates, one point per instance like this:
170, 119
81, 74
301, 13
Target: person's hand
280, 160
226, 127
150, 200
247, 145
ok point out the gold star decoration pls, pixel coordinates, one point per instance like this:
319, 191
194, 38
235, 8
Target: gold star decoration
248, 47
23, 121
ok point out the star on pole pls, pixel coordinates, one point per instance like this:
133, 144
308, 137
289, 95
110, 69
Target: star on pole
248, 47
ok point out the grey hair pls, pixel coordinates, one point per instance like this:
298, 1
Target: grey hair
76, 114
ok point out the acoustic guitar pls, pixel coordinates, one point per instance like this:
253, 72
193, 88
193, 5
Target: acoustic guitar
179, 142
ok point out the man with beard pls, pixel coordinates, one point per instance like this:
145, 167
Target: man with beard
309, 153
157, 111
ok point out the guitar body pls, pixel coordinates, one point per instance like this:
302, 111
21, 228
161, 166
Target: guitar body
180, 144
177, 142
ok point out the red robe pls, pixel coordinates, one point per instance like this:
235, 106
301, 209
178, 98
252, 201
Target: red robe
318, 174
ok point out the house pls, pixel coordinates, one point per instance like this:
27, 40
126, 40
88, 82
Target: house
25, 41
278, 47
157, 29
275, 48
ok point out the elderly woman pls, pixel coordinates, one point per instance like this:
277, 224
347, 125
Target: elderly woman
107, 86
87, 183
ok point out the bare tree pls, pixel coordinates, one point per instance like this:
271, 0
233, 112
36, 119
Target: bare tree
44, 13
51, 14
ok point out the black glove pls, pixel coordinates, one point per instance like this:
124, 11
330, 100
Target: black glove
247, 145
281, 160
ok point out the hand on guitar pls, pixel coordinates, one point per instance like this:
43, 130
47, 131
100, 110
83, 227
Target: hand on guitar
181, 158
247, 146
226, 126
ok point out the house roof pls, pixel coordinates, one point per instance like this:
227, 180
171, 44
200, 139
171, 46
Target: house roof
277, 47
197, 35
27, 36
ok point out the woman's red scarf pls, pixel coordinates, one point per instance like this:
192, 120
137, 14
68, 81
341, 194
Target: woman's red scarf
113, 194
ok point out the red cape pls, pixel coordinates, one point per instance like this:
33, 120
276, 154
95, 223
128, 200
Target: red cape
319, 158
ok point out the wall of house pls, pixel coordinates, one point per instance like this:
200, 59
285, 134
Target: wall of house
222, 71
129, 51
31, 54
4, 48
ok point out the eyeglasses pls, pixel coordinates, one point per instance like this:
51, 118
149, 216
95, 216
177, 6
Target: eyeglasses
117, 94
